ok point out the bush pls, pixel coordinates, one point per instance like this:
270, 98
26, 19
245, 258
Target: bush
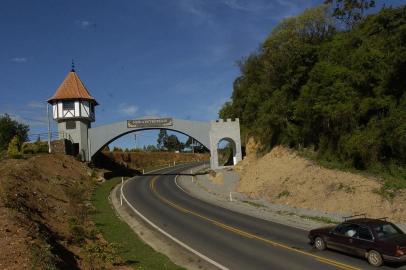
13, 149
77, 231
34, 148
10, 128
98, 255
43, 257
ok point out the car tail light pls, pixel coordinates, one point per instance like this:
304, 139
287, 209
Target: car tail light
400, 251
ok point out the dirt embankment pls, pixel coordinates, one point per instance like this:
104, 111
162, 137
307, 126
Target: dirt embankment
140, 160
44, 224
283, 177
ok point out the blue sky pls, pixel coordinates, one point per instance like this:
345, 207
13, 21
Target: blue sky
161, 57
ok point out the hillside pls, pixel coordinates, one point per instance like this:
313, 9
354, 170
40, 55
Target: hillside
339, 91
284, 177
44, 224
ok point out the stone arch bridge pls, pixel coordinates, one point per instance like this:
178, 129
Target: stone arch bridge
208, 134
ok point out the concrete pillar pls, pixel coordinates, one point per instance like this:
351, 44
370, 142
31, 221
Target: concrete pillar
229, 130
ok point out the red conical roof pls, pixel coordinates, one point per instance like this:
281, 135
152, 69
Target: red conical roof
72, 88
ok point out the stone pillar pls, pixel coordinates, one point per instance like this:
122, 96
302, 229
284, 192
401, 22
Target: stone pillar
229, 130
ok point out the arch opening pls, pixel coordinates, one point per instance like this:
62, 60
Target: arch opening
195, 144
226, 152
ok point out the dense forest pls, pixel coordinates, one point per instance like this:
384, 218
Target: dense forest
336, 87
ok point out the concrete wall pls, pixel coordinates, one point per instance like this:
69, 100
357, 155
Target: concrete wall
92, 140
103, 135
225, 129
78, 135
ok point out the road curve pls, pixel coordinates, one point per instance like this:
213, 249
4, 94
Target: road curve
229, 239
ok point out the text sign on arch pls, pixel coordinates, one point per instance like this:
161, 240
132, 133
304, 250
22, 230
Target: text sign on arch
145, 123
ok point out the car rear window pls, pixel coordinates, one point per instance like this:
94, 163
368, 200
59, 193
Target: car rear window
364, 233
386, 230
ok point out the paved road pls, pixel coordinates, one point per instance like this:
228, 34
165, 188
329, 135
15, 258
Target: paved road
233, 240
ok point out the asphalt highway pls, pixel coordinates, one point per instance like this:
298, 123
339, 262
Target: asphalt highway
232, 240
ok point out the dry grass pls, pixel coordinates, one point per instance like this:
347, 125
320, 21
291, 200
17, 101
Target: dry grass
143, 160
283, 177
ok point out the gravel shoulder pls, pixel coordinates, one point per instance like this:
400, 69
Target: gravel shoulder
220, 190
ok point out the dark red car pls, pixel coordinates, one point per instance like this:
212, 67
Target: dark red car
377, 240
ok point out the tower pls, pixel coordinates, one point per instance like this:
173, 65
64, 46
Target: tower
73, 110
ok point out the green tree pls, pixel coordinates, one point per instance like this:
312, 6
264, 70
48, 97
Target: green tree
270, 82
350, 11
173, 143
150, 148
9, 129
162, 139
341, 92
14, 148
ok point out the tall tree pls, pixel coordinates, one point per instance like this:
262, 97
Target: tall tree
341, 92
162, 139
10, 128
350, 11
173, 143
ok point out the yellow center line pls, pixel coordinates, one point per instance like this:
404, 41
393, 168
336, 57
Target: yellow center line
249, 235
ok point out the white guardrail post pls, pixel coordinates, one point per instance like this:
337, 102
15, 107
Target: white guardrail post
121, 191
231, 196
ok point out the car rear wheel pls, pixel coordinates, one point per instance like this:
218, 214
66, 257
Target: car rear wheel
319, 243
374, 258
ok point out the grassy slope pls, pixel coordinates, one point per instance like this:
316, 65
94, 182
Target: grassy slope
132, 249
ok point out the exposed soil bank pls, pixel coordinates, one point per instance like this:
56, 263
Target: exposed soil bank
283, 177
44, 224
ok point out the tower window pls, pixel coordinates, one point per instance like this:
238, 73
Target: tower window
68, 105
70, 124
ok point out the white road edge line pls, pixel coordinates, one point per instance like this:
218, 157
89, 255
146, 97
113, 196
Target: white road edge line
176, 182
207, 259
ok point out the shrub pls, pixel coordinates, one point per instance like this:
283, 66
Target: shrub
77, 231
100, 254
43, 258
284, 193
13, 150
34, 148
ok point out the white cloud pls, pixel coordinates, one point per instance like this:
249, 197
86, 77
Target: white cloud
151, 112
277, 9
249, 6
213, 109
127, 109
195, 8
33, 120
36, 104
19, 59
85, 23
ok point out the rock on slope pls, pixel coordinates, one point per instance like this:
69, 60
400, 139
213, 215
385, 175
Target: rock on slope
283, 177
